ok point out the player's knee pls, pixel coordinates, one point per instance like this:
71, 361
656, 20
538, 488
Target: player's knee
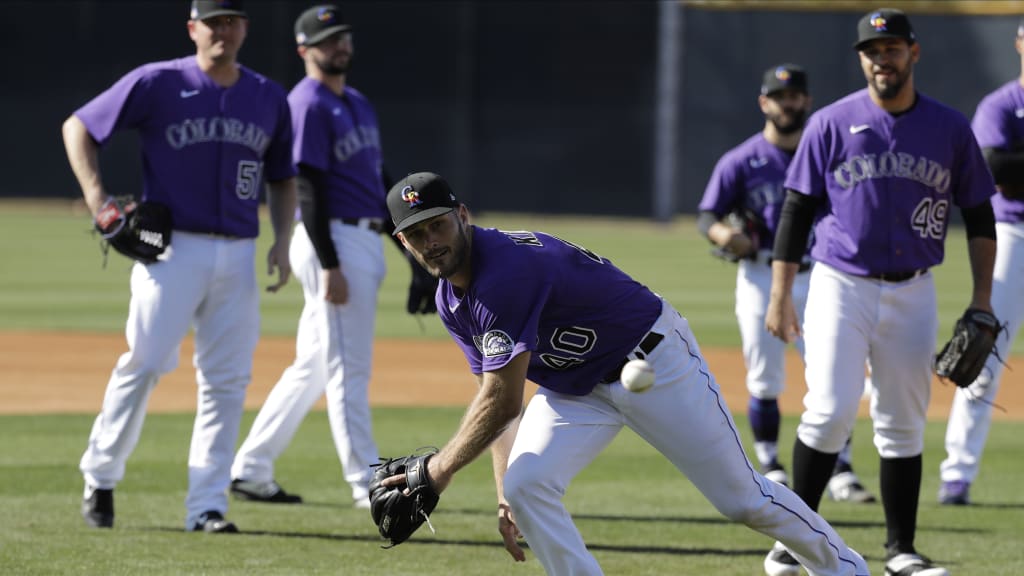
828, 437
899, 443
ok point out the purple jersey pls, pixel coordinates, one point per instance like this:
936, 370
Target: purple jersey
999, 123
749, 176
339, 137
888, 181
205, 149
576, 313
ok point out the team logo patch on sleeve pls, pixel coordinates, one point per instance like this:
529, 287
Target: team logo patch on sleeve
496, 343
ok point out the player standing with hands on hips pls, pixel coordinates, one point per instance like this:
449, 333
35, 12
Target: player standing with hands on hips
338, 256
522, 305
999, 127
876, 173
746, 189
211, 131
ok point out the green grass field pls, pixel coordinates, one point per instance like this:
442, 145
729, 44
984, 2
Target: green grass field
638, 515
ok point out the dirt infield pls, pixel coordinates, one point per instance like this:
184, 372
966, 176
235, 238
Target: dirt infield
67, 372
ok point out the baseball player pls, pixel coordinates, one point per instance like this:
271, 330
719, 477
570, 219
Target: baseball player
521, 305
999, 127
338, 256
746, 185
876, 173
212, 131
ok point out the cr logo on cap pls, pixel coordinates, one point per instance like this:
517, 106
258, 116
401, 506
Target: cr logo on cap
782, 74
411, 197
325, 15
877, 22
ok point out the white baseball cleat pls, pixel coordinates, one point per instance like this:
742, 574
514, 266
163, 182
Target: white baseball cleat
846, 487
779, 562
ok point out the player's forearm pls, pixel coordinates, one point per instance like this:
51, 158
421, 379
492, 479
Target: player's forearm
496, 405
83, 155
783, 276
281, 201
982, 253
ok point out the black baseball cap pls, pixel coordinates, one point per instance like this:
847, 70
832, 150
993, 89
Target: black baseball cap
784, 76
418, 197
317, 23
884, 23
203, 9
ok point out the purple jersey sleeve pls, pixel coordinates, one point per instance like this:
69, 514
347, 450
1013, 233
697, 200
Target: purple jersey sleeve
889, 182
749, 177
576, 313
999, 123
206, 149
340, 137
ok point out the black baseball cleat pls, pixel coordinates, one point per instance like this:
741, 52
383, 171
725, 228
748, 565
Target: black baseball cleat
269, 492
215, 523
98, 507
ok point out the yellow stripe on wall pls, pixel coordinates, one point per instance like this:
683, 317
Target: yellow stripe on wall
977, 7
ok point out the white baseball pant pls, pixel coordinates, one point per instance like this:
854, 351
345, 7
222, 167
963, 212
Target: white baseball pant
208, 283
971, 414
849, 320
333, 353
685, 418
764, 354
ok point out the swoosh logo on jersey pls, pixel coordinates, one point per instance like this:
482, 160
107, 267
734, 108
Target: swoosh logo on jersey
758, 162
858, 128
1019, 112
188, 93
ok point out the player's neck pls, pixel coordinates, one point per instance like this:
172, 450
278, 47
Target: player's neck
903, 101
334, 82
224, 73
787, 142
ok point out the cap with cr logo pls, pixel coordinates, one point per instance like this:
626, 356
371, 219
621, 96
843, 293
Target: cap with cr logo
418, 197
884, 23
318, 23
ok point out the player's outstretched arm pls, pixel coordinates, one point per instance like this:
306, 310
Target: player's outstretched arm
83, 155
496, 405
281, 199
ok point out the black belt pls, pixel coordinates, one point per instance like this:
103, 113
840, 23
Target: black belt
375, 224
647, 345
897, 276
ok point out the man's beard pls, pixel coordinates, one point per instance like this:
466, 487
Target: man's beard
797, 119
891, 90
329, 68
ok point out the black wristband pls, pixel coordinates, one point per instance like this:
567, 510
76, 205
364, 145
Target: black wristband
795, 223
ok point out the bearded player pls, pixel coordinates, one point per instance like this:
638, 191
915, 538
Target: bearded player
876, 173
747, 181
999, 127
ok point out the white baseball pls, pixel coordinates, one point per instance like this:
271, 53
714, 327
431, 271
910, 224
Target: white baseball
637, 376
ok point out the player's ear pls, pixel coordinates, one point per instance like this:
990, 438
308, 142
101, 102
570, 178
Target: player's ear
915, 52
762, 101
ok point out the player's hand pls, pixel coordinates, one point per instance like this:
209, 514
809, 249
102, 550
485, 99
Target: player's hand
780, 319
510, 532
277, 259
335, 286
740, 244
